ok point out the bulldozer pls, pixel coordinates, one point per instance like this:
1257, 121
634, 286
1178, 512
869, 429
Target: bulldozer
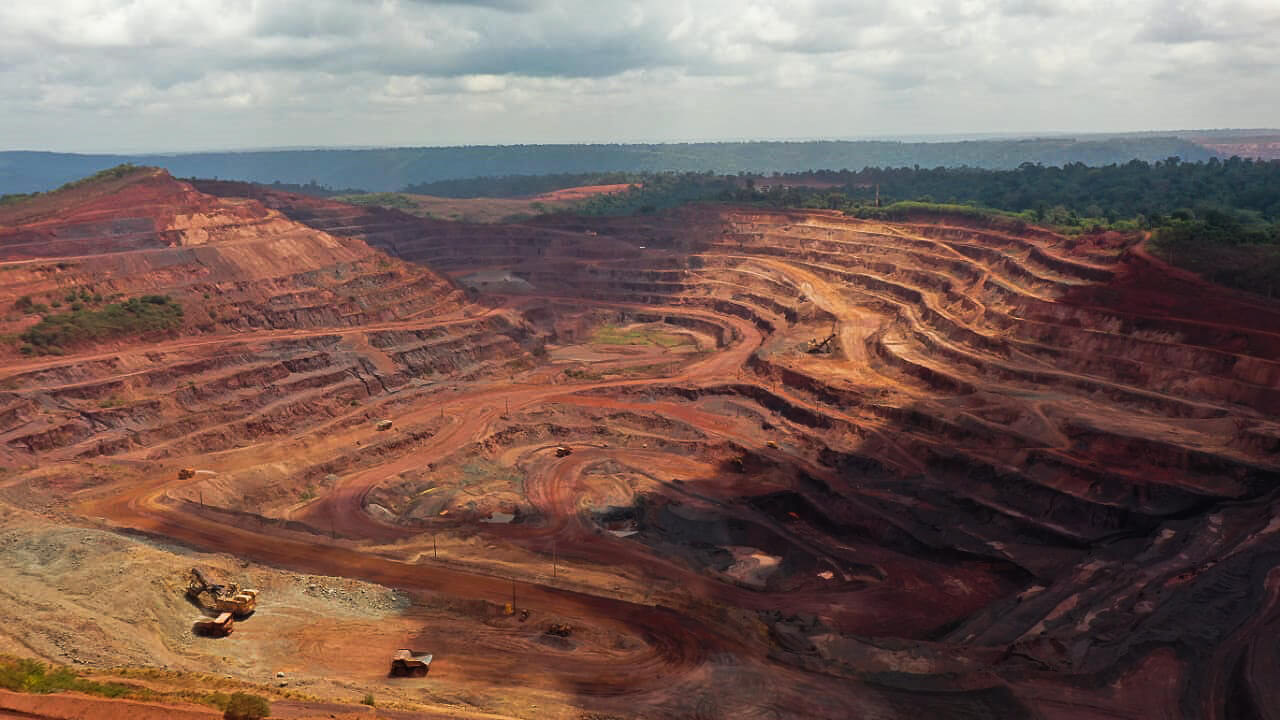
213, 597
186, 473
220, 626
564, 451
406, 663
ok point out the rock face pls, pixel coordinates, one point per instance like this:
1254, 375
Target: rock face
236, 262
274, 334
920, 469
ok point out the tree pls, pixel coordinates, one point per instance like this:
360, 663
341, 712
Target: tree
244, 706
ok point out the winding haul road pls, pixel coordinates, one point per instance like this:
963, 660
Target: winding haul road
676, 641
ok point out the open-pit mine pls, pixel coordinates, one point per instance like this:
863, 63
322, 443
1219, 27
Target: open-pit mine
719, 462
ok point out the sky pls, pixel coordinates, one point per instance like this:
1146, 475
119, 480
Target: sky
176, 75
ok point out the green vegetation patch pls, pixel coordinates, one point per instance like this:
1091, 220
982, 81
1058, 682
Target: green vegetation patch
1219, 218
913, 209
510, 186
481, 471
15, 198
111, 173
614, 335
149, 313
31, 676
243, 706
1234, 247
34, 677
387, 200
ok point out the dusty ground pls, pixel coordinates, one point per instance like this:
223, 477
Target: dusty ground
764, 464
496, 210
1262, 147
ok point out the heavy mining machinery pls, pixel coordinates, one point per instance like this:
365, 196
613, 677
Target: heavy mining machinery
816, 347
216, 598
407, 663
220, 626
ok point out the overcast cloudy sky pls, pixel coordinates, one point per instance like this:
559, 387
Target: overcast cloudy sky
139, 75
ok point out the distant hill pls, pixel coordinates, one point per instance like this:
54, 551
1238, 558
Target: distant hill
393, 169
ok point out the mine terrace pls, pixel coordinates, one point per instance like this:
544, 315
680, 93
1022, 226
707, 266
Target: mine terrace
719, 461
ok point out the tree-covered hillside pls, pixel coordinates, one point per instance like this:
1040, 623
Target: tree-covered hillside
1220, 218
393, 169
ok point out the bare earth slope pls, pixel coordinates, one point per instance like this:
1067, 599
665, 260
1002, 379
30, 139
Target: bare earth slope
765, 464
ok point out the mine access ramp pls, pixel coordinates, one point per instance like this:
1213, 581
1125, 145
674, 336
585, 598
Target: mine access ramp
406, 662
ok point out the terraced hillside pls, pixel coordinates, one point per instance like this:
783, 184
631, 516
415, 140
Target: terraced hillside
762, 464
1057, 450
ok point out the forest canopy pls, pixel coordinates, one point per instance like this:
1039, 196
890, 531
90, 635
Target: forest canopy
1220, 218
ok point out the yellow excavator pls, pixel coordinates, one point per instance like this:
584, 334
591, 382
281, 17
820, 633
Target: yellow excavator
216, 598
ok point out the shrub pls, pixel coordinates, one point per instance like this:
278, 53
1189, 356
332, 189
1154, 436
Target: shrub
243, 706
368, 700
390, 200
112, 173
146, 314
32, 676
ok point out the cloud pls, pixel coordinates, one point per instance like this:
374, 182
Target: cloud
137, 74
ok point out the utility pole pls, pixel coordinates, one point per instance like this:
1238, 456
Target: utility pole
877, 194
435, 551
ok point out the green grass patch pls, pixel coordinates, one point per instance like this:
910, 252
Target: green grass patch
646, 370
387, 200
481, 471
32, 676
907, 210
138, 315
582, 374
15, 198
112, 173
644, 335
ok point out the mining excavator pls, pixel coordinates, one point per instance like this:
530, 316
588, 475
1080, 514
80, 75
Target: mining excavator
816, 347
215, 598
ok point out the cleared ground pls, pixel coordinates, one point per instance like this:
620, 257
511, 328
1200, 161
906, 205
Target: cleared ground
484, 210
765, 464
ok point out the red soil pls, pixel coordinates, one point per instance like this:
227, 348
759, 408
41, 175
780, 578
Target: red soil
1024, 479
580, 193
1262, 147
83, 707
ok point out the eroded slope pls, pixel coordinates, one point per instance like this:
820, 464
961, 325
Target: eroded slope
767, 464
